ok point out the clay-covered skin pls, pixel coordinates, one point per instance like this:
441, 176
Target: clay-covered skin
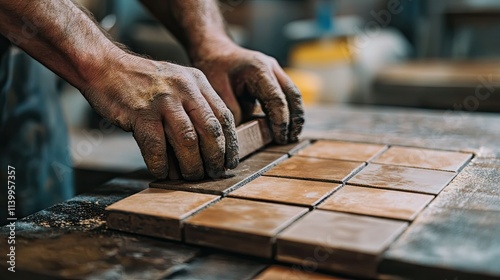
238, 75
241, 77
162, 103
165, 103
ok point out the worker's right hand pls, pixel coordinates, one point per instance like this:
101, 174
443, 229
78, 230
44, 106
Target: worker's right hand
162, 102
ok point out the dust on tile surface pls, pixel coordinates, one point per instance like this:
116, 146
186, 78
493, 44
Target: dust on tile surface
163, 203
377, 202
316, 169
156, 212
342, 150
344, 231
283, 190
225, 224
349, 243
424, 158
402, 178
353, 223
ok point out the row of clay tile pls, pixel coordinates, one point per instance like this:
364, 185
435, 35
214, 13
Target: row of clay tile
395, 155
397, 168
255, 228
336, 161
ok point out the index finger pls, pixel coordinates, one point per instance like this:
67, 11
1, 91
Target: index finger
226, 120
294, 100
266, 88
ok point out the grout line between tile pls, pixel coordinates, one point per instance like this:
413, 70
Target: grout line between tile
254, 176
377, 155
328, 196
372, 216
354, 172
393, 189
274, 247
330, 159
458, 150
181, 221
305, 179
415, 167
435, 196
272, 201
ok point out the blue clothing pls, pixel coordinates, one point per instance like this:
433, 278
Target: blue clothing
33, 135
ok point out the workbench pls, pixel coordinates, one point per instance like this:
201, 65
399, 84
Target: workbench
457, 236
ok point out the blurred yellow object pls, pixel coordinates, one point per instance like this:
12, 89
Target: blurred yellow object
323, 68
321, 52
309, 84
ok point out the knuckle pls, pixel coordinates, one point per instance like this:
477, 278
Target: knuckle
198, 74
273, 60
256, 64
188, 137
213, 127
179, 78
165, 100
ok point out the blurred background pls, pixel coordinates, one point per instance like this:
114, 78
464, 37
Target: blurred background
413, 53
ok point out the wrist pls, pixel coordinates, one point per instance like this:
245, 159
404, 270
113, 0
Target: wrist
110, 93
212, 46
95, 69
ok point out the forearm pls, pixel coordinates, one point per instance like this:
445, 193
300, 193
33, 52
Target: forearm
198, 24
59, 35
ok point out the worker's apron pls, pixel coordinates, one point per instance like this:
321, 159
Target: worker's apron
33, 135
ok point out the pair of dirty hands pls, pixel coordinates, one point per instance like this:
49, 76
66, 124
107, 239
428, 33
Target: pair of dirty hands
196, 110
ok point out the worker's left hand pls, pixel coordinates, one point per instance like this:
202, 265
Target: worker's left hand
242, 76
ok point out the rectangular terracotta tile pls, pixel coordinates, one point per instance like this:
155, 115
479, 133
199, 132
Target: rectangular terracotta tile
329, 170
156, 212
342, 150
278, 272
253, 136
246, 171
290, 149
402, 178
338, 242
424, 158
287, 191
377, 202
241, 226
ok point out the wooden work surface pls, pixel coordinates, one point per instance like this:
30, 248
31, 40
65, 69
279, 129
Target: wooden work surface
456, 236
